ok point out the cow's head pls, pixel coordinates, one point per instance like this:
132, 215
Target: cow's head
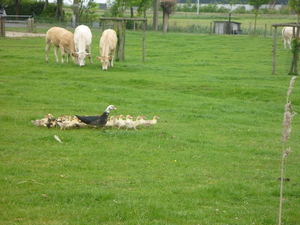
105, 61
81, 57
75, 58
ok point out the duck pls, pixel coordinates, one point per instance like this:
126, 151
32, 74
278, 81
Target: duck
98, 121
151, 122
44, 121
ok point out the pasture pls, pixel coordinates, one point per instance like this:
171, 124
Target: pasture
214, 157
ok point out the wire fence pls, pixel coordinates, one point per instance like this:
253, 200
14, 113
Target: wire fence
12, 22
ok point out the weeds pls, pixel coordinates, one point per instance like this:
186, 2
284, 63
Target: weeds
287, 127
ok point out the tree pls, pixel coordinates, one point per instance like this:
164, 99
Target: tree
295, 5
256, 4
155, 14
59, 14
167, 7
143, 5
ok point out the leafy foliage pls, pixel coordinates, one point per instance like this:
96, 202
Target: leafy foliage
26, 8
295, 5
257, 3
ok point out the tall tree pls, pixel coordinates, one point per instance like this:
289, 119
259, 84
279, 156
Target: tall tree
17, 5
59, 14
143, 5
256, 4
155, 14
167, 7
295, 5
46, 4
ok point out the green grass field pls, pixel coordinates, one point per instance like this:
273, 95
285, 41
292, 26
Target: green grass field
214, 157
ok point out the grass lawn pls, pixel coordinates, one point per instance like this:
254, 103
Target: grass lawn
214, 157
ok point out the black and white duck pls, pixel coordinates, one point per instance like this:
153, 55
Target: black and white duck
98, 121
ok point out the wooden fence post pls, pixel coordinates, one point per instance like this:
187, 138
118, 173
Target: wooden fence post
30, 25
274, 52
143, 41
2, 27
265, 34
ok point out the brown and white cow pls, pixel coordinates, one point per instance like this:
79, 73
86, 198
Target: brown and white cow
287, 34
108, 45
62, 39
83, 41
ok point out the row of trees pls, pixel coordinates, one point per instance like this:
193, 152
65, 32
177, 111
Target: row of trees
118, 7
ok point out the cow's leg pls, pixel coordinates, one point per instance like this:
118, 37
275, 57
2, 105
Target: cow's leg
111, 61
90, 56
62, 51
48, 45
55, 54
289, 42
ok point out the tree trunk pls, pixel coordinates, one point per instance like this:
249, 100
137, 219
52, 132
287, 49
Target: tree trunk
75, 11
256, 13
167, 7
165, 21
46, 4
295, 50
155, 15
131, 12
59, 11
17, 5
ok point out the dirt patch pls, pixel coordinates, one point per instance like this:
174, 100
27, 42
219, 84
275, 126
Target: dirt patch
22, 34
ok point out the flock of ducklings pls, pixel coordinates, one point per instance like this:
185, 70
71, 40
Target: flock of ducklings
118, 121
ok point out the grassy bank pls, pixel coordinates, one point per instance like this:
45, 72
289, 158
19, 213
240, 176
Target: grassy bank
213, 158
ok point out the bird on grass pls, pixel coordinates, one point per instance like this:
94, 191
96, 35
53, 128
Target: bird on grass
98, 121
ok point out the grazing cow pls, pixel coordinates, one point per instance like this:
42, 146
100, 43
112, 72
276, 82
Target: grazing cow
287, 34
83, 40
108, 45
62, 39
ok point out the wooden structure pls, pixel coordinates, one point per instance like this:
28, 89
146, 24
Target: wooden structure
2, 26
227, 27
120, 26
296, 26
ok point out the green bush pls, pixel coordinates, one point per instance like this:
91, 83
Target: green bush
26, 8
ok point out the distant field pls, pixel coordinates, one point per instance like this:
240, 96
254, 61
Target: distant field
192, 23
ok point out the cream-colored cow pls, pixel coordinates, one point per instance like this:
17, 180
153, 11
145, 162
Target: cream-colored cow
108, 45
62, 39
287, 34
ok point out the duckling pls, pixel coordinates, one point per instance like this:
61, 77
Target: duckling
43, 121
120, 122
66, 124
78, 123
132, 124
112, 122
142, 120
50, 123
151, 122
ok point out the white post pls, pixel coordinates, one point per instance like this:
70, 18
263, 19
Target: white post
198, 7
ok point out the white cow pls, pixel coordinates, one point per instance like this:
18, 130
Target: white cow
62, 39
108, 45
83, 40
287, 34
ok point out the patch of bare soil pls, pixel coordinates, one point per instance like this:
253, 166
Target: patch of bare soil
22, 34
